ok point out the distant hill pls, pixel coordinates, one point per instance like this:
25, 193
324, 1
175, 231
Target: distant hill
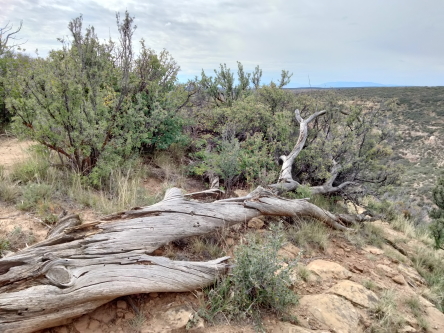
341, 84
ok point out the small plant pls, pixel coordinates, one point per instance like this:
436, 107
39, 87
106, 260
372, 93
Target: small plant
4, 246
437, 226
18, 239
33, 194
373, 235
414, 304
137, 322
388, 320
205, 247
309, 233
259, 281
429, 264
370, 285
303, 273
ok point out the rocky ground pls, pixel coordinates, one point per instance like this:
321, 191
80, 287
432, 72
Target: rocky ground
342, 293
342, 290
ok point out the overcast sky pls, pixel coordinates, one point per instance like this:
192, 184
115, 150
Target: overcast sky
385, 41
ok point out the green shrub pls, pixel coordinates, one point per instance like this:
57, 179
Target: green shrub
4, 246
259, 281
33, 194
437, 225
309, 233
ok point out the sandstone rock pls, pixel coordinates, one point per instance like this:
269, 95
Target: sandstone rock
328, 270
411, 274
255, 223
399, 279
387, 270
435, 318
81, 324
154, 295
358, 268
178, 317
289, 251
94, 325
355, 293
103, 316
336, 313
282, 327
407, 329
373, 250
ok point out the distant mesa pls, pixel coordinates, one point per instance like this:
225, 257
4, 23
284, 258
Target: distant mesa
343, 84
353, 85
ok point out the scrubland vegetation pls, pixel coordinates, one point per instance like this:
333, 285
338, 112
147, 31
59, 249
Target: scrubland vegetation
105, 118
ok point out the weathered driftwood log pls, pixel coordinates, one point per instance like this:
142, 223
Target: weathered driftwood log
286, 181
82, 266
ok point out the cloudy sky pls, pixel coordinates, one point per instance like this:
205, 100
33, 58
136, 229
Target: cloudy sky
385, 41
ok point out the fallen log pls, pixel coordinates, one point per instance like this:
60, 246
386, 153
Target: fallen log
82, 266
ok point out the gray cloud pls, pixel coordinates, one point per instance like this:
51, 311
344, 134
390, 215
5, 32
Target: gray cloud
393, 42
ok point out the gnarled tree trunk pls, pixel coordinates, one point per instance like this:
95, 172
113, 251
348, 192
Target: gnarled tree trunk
82, 266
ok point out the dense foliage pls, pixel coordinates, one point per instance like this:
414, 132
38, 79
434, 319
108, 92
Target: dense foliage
437, 214
95, 103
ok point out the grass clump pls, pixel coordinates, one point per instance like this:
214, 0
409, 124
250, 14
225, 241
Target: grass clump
206, 247
429, 264
258, 282
18, 239
33, 194
4, 246
370, 285
387, 318
367, 234
309, 233
415, 306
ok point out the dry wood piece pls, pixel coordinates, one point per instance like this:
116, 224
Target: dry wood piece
82, 266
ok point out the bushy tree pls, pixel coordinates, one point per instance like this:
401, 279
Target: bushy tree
349, 145
8, 58
95, 103
437, 214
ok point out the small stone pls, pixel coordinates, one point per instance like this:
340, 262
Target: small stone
120, 314
122, 305
81, 324
94, 325
373, 250
358, 268
178, 317
154, 295
387, 270
340, 252
399, 279
289, 251
328, 270
255, 223
62, 329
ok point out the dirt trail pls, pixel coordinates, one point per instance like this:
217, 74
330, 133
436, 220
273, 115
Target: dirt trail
12, 151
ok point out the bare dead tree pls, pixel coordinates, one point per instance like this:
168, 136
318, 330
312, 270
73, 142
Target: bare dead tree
8, 34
